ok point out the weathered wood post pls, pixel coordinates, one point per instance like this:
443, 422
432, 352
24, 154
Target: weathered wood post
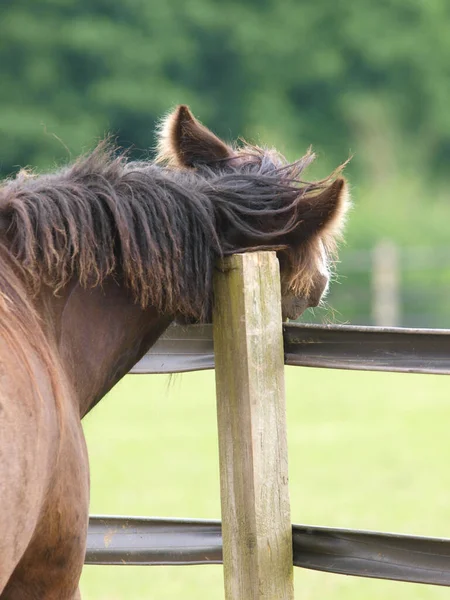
386, 273
248, 344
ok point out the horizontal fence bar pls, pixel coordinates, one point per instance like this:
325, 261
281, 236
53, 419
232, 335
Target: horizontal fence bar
178, 350
156, 541
190, 348
368, 348
145, 541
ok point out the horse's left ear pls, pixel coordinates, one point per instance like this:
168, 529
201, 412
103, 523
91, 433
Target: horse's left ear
325, 212
185, 142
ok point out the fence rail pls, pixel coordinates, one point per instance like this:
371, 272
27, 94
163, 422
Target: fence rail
145, 541
183, 349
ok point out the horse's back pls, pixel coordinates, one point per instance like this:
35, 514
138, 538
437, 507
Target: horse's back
42, 455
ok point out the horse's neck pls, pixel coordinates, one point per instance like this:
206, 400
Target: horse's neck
101, 334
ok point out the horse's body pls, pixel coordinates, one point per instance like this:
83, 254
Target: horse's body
127, 248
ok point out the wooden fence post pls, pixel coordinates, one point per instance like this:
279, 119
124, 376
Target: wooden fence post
386, 285
248, 343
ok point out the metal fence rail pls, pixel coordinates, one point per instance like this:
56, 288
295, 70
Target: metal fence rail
183, 349
144, 541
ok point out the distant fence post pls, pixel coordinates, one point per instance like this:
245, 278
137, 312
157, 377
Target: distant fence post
248, 341
386, 285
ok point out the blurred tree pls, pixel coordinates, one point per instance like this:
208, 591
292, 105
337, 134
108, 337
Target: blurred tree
73, 70
369, 78
319, 72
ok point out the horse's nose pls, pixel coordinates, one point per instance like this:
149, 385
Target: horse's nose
318, 290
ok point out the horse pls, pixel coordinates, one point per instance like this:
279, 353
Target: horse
96, 260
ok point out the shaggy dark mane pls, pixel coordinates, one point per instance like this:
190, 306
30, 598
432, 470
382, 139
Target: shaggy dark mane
156, 228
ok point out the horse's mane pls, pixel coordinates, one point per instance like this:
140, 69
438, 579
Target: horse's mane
157, 228
21, 329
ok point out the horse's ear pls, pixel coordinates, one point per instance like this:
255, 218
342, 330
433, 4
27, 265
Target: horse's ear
185, 142
325, 212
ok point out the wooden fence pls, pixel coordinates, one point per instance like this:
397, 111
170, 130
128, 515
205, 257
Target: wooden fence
391, 285
256, 541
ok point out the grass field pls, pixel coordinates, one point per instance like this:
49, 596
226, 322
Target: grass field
367, 451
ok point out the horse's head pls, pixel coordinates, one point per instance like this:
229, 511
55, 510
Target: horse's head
269, 206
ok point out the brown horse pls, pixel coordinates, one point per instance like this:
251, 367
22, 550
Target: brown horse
96, 260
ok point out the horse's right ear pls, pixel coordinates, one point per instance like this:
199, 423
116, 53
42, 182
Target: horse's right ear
324, 213
185, 142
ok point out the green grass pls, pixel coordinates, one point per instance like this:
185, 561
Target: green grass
367, 451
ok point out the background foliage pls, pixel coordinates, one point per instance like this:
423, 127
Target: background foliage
362, 78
